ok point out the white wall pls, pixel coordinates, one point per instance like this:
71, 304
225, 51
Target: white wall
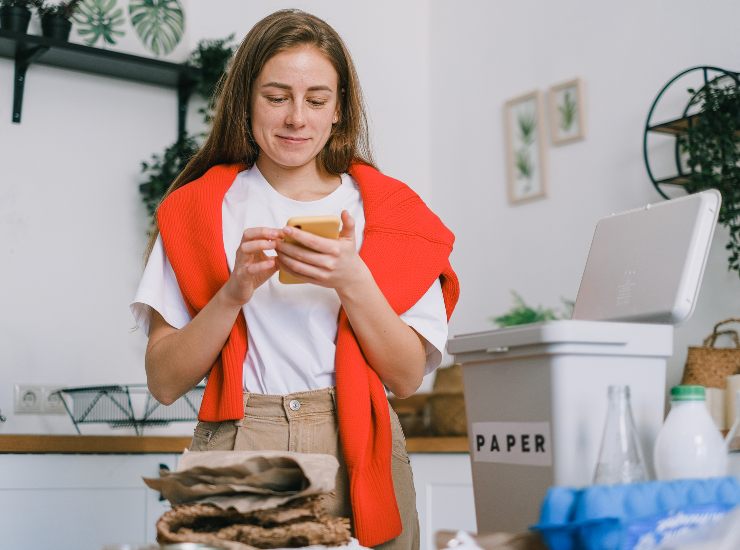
72, 226
487, 52
435, 76
72, 230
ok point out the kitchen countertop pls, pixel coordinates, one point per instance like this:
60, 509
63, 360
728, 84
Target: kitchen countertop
104, 444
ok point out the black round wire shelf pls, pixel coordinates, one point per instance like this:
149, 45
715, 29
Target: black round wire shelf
680, 125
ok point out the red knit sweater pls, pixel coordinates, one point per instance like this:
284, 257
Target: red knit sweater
405, 246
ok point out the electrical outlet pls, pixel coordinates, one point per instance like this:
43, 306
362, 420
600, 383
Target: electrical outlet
51, 401
38, 399
28, 399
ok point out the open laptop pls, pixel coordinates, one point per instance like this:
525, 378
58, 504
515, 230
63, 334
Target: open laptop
646, 265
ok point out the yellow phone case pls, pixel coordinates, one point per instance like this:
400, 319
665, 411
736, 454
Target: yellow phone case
323, 226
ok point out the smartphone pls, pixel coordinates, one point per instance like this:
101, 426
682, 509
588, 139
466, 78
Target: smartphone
323, 226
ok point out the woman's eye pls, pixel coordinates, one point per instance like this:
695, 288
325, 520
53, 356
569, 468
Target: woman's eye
317, 102
276, 99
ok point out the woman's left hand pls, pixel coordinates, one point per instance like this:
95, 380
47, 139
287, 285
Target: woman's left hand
331, 263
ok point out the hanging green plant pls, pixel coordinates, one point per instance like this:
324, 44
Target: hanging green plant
99, 20
712, 147
160, 24
162, 170
211, 59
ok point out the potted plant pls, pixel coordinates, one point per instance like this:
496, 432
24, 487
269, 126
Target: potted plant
522, 314
15, 14
56, 19
712, 148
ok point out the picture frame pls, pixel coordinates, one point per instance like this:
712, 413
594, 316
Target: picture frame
525, 148
566, 112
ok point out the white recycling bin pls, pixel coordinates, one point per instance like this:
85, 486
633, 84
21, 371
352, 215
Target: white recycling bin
536, 402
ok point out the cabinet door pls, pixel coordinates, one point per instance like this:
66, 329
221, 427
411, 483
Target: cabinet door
78, 502
444, 494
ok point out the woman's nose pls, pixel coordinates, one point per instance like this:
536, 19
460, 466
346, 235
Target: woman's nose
295, 115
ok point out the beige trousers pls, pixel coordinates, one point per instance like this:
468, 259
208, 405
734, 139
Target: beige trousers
306, 422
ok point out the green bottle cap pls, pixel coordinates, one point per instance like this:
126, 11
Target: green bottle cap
688, 393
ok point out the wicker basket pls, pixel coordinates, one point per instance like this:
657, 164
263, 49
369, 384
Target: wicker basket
447, 403
710, 366
447, 414
448, 379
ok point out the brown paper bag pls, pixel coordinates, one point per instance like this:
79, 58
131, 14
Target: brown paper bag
244, 500
246, 480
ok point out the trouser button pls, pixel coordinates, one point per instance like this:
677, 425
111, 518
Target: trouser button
294, 404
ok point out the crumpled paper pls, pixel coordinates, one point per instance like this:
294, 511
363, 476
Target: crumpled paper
244, 500
302, 522
246, 480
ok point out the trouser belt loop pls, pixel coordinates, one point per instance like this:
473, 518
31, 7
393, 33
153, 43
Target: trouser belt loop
246, 399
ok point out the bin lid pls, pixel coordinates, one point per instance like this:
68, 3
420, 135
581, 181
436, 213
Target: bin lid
610, 338
646, 265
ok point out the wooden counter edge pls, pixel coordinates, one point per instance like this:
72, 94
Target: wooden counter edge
437, 444
105, 444
92, 444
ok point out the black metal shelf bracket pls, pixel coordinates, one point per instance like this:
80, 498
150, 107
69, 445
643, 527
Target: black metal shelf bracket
24, 57
185, 89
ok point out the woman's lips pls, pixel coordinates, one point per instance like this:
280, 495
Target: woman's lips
293, 140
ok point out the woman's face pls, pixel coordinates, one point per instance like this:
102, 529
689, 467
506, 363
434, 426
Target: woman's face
294, 104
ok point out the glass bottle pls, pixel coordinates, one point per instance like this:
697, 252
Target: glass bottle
733, 443
689, 445
620, 457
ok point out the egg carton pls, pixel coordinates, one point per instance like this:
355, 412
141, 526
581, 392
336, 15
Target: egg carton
636, 516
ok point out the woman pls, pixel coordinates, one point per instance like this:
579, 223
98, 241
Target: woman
299, 367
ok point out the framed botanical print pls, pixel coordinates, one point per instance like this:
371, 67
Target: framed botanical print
525, 147
567, 122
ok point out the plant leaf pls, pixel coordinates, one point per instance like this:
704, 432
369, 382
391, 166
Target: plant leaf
159, 24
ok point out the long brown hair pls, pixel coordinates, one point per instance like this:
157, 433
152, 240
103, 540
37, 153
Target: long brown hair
230, 141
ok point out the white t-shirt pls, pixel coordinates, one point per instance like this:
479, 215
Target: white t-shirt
291, 329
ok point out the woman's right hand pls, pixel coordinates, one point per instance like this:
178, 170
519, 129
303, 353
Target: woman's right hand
252, 266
